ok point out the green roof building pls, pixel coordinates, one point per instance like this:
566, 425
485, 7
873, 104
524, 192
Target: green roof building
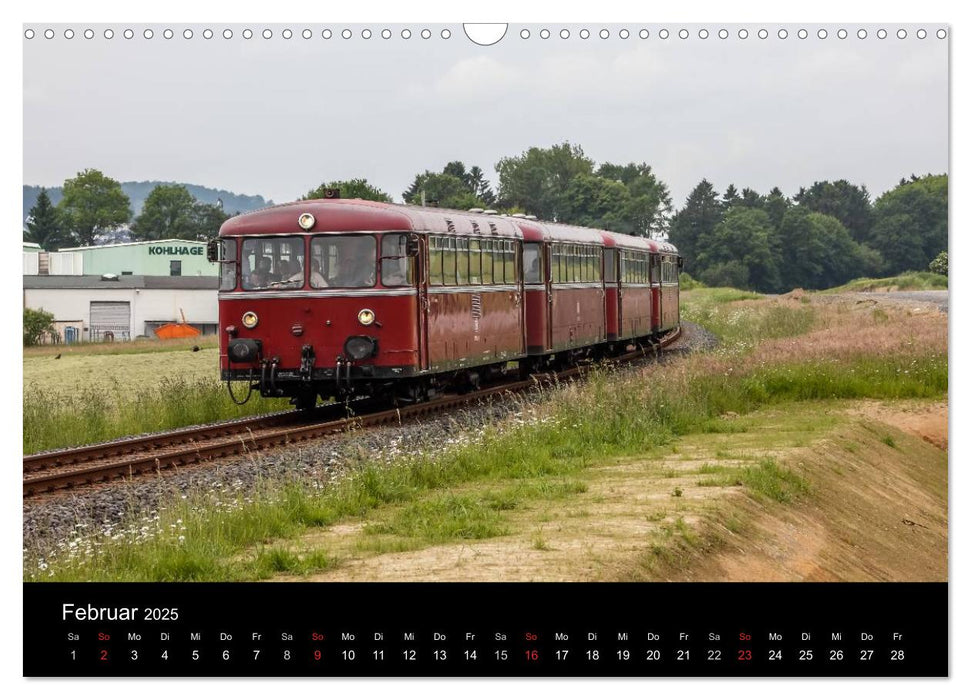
170, 257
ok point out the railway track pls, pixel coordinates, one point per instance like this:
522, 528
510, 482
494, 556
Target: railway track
130, 457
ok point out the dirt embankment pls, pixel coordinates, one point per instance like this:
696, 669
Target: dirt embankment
878, 510
875, 510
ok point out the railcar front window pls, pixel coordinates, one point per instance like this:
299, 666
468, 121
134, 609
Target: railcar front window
227, 270
343, 261
272, 263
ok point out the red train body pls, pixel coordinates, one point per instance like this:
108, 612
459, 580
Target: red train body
338, 297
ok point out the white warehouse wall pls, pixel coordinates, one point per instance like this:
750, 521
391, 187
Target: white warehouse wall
200, 305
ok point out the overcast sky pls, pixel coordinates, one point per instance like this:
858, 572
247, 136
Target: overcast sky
277, 117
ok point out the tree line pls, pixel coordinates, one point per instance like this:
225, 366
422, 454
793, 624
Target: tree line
559, 183
824, 236
93, 204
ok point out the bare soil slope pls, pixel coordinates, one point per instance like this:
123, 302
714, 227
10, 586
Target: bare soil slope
876, 511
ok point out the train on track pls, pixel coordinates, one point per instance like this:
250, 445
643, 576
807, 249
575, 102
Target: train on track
344, 297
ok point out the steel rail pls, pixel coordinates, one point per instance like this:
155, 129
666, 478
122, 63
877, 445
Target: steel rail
65, 469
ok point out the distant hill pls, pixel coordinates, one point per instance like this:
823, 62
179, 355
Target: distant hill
138, 191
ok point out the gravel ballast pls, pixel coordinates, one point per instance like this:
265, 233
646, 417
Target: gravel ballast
70, 521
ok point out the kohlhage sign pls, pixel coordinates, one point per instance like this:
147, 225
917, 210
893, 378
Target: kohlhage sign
176, 250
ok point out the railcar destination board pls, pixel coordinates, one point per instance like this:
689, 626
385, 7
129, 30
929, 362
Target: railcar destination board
462, 629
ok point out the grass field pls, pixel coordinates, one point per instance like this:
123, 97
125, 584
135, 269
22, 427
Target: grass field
585, 483
134, 347
906, 281
92, 395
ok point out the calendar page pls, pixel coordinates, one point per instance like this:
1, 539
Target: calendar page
529, 349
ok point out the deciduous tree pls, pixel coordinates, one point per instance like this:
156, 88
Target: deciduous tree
37, 324
910, 223
168, 212
443, 190
598, 203
650, 202
535, 180
847, 202
358, 188
93, 204
742, 236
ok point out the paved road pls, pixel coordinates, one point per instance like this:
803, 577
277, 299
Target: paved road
937, 297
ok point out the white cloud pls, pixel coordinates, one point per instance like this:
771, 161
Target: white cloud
480, 78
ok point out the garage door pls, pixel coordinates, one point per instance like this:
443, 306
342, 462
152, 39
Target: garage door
110, 320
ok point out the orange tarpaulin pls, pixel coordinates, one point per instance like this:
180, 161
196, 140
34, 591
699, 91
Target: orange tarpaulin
176, 330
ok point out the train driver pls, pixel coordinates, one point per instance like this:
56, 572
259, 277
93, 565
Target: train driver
356, 268
291, 274
316, 278
262, 275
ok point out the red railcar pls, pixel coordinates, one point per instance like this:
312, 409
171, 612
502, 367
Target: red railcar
336, 297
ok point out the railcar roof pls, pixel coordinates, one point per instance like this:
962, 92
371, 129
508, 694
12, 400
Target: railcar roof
348, 215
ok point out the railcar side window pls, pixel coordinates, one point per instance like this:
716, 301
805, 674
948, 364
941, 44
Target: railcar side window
610, 265
462, 261
510, 259
273, 263
397, 269
343, 261
656, 269
435, 262
448, 261
227, 270
634, 267
487, 256
475, 262
669, 274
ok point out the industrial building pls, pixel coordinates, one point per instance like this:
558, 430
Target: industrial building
122, 291
91, 308
171, 257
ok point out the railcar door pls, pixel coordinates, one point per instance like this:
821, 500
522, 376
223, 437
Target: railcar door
655, 292
423, 360
548, 279
611, 302
520, 297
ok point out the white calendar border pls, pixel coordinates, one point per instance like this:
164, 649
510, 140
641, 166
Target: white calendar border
495, 11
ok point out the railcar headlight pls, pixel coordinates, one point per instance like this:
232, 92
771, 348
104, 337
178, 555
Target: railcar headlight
306, 221
360, 347
250, 319
365, 316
